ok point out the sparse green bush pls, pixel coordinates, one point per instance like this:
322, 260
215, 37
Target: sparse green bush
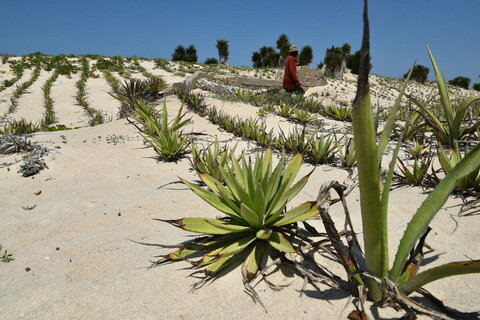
266, 57
114, 64
194, 101
296, 141
419, 73
211, 61
346, 152
341, 113
321, 148
449, 159
462, 82
20, 89
59, 63
96, 117
186, 55
305, 56
454, 128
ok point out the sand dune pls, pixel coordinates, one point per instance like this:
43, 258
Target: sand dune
101, 191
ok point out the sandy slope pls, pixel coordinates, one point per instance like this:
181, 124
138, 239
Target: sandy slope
67, 111
98, 97
30, 104
7, 93
101, 190
96, 196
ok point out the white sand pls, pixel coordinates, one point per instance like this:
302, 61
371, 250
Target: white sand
7, 93
97, 195
99, 99
30, 104
67, 111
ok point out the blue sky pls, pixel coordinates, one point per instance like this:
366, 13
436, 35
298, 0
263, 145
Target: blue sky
147, 28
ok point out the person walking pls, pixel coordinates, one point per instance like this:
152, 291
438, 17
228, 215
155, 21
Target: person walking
291, 84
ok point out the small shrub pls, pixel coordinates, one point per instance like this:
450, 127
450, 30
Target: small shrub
211, 61
461, 82
419, 73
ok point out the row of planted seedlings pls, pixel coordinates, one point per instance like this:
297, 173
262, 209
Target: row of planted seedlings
317, 148
110, 66
138, 66
320, 149
295, 107
426, 129
96, 117
18, 68
60, 65
22, 88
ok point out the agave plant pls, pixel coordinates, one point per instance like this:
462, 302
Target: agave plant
417, 150
414, 174
165, 137
262, 112
195, 101
453, 128
303, 116
346, 151
312, 105
401, 279
413, 125
321, 149
296, 141
285, 110
209, 160
449, 159
254, 199
341, 113
154, 85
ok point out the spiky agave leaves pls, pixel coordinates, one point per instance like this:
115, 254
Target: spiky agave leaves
209, 160
449, 159
254, 199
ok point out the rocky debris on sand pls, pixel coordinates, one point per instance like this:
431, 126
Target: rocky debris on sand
33, 161
10, 144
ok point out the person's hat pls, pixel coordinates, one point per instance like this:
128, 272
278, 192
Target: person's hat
293, 48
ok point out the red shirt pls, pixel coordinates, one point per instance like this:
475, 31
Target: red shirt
290, 73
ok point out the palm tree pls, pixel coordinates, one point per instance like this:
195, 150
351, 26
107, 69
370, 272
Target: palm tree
283, 44
222, 46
